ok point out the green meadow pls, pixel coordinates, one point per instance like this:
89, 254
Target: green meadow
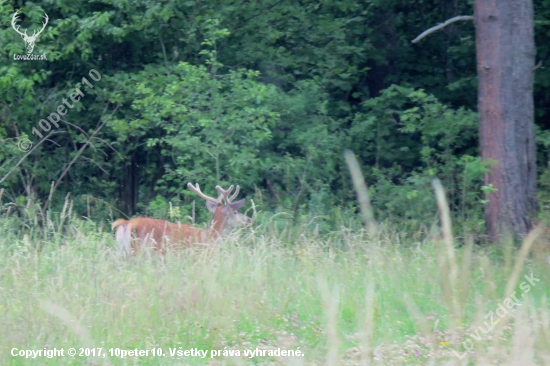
349, 297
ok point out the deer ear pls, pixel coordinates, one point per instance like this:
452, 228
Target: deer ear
236, 205
211, 206
226, 210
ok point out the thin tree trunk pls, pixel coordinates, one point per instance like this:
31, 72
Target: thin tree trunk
129, 187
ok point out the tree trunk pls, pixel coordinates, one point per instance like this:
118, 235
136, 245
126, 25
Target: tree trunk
505, 61
128, 190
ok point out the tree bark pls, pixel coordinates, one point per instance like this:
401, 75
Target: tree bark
128, 190
505, 61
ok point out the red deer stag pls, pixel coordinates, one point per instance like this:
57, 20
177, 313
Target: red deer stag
161, 234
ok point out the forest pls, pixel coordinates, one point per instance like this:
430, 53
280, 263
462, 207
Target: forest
396, 189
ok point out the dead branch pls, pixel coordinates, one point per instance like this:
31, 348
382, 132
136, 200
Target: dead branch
25, 156
102, 121
442, 25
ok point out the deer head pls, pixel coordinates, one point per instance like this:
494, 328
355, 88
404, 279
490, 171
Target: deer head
225, 216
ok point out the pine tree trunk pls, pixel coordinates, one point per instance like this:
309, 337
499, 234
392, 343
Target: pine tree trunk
505, 61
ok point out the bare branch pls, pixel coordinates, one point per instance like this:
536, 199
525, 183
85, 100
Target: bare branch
442, 25
164, 54
75, 126
25, 156
101, 123
96, 164
52, 141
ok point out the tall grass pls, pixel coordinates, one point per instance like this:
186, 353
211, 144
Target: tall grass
374, 301
354, 297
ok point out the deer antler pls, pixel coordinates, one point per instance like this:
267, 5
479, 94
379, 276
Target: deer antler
14, 21
197, 190
235, 194
226, 193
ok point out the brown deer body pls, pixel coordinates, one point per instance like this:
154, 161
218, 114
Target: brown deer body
161, 235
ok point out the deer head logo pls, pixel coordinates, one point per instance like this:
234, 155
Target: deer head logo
29, 40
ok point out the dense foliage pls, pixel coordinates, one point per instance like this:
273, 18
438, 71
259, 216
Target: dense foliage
263, 94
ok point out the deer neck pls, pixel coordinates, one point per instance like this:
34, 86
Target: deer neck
217, 224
